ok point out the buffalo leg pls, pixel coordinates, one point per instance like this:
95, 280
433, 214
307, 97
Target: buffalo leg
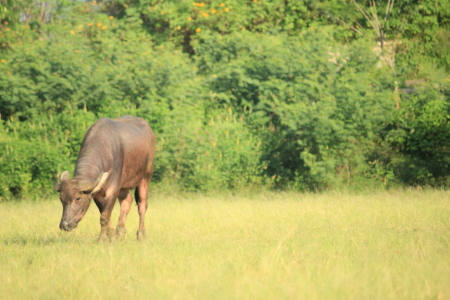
141, 194
105, 207
125, 201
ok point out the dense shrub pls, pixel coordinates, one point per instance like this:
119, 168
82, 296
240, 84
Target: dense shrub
239, 93
320, 102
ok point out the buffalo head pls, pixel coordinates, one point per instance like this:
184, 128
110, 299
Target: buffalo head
75, 195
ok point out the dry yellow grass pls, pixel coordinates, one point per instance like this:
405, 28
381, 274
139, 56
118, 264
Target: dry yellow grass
390, 245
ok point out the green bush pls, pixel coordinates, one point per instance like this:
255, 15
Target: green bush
289, 94
318, 103
210, 152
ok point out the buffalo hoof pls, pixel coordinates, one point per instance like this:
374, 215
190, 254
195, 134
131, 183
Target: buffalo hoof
140, 235
103, 238
107, 236
111, 234
121, 232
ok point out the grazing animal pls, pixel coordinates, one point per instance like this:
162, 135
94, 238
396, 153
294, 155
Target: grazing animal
115, 157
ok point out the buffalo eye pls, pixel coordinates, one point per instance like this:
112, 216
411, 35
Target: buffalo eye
78, 198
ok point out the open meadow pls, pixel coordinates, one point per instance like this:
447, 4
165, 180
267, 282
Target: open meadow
387, 245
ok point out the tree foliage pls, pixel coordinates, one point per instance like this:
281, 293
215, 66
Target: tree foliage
298, 94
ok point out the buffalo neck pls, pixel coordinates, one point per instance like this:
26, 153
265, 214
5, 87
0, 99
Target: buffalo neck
90, 164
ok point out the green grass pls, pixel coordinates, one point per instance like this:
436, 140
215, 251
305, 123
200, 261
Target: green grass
391, 245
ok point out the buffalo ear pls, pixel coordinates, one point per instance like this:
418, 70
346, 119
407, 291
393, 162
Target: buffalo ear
58, 180
93, 186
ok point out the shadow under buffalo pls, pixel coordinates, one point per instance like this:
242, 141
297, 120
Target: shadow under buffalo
40, 240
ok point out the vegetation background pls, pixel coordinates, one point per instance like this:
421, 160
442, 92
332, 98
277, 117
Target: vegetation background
244, 96
302, 95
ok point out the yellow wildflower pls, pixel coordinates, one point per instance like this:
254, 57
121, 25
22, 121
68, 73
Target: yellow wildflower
189, 18
198, 30
213, 10
111, 17
104, 27
227, 9
90, 24
162, 12
222, 4
7, 29
99, 24
3, 61
72, 32
205, 14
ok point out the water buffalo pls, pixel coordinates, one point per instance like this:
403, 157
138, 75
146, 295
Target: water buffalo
115, 157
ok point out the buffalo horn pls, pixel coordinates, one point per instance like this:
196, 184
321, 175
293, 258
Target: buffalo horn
93, 186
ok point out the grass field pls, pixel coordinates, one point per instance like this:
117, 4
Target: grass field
388, 245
